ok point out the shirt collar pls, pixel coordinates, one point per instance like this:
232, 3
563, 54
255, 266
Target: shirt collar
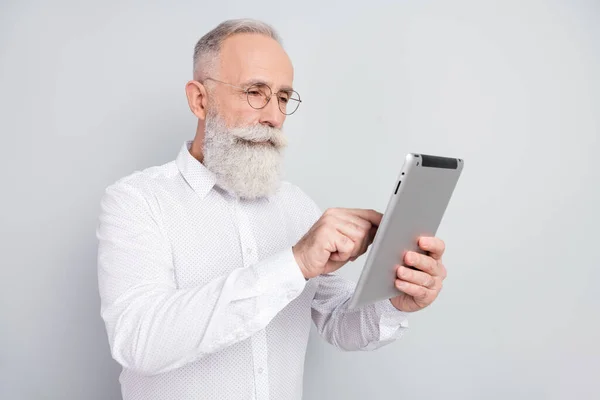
196, 175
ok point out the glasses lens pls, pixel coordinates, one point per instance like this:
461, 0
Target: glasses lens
288, 102
258, 95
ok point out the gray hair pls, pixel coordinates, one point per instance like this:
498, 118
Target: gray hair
206, 51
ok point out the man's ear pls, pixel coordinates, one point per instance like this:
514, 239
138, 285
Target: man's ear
197, 98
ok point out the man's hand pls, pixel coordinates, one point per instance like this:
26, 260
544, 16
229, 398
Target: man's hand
420, 287
339, 236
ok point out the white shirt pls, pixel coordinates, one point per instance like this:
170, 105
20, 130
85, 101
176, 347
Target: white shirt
201, 294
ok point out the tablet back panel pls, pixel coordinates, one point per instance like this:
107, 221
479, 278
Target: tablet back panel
419, 199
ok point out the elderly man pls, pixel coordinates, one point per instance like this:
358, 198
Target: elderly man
211, 270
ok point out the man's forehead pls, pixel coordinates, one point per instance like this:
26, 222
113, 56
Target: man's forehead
255, 58
265, 82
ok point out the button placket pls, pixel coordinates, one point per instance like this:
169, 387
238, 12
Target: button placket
259, 339
247, 242
260, 357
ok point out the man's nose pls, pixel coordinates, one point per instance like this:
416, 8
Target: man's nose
271, 115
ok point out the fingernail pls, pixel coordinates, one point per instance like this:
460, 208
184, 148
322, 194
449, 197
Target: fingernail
400, 284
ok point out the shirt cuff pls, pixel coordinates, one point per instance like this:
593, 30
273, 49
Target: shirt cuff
392, 322
281, 269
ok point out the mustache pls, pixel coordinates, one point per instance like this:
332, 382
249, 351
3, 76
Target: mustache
261, 133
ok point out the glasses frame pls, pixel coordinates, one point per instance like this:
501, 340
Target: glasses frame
268, 97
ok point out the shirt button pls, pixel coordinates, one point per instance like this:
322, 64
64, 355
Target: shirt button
260, 370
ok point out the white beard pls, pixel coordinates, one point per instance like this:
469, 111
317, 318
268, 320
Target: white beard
241, 163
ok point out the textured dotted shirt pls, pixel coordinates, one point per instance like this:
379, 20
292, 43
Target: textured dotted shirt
202, 297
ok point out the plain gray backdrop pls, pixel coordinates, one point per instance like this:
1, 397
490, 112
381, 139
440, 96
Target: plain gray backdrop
91, 91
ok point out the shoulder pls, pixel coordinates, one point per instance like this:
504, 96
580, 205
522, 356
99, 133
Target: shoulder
140, 187
147, 178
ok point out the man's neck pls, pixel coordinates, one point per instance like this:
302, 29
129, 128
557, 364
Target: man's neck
196, 149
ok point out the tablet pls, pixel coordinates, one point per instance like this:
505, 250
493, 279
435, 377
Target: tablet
419, 199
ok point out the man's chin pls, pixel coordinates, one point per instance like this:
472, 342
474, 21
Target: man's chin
252, 175
246, 162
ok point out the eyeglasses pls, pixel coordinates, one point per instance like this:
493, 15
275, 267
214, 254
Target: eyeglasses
259, 95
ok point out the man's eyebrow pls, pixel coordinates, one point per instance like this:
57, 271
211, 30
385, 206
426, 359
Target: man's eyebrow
286, 88
253, 82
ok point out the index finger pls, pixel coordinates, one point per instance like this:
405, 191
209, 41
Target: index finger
372, 216
433, 245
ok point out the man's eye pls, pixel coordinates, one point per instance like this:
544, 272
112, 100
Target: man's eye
254, 93
283, 99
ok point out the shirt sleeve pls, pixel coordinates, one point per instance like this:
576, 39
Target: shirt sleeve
365, 328
153, 326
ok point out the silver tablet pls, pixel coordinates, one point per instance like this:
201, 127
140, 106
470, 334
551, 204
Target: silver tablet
418, 202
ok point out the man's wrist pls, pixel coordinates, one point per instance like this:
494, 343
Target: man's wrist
300, 264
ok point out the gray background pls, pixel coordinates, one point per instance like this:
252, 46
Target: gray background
90, 91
